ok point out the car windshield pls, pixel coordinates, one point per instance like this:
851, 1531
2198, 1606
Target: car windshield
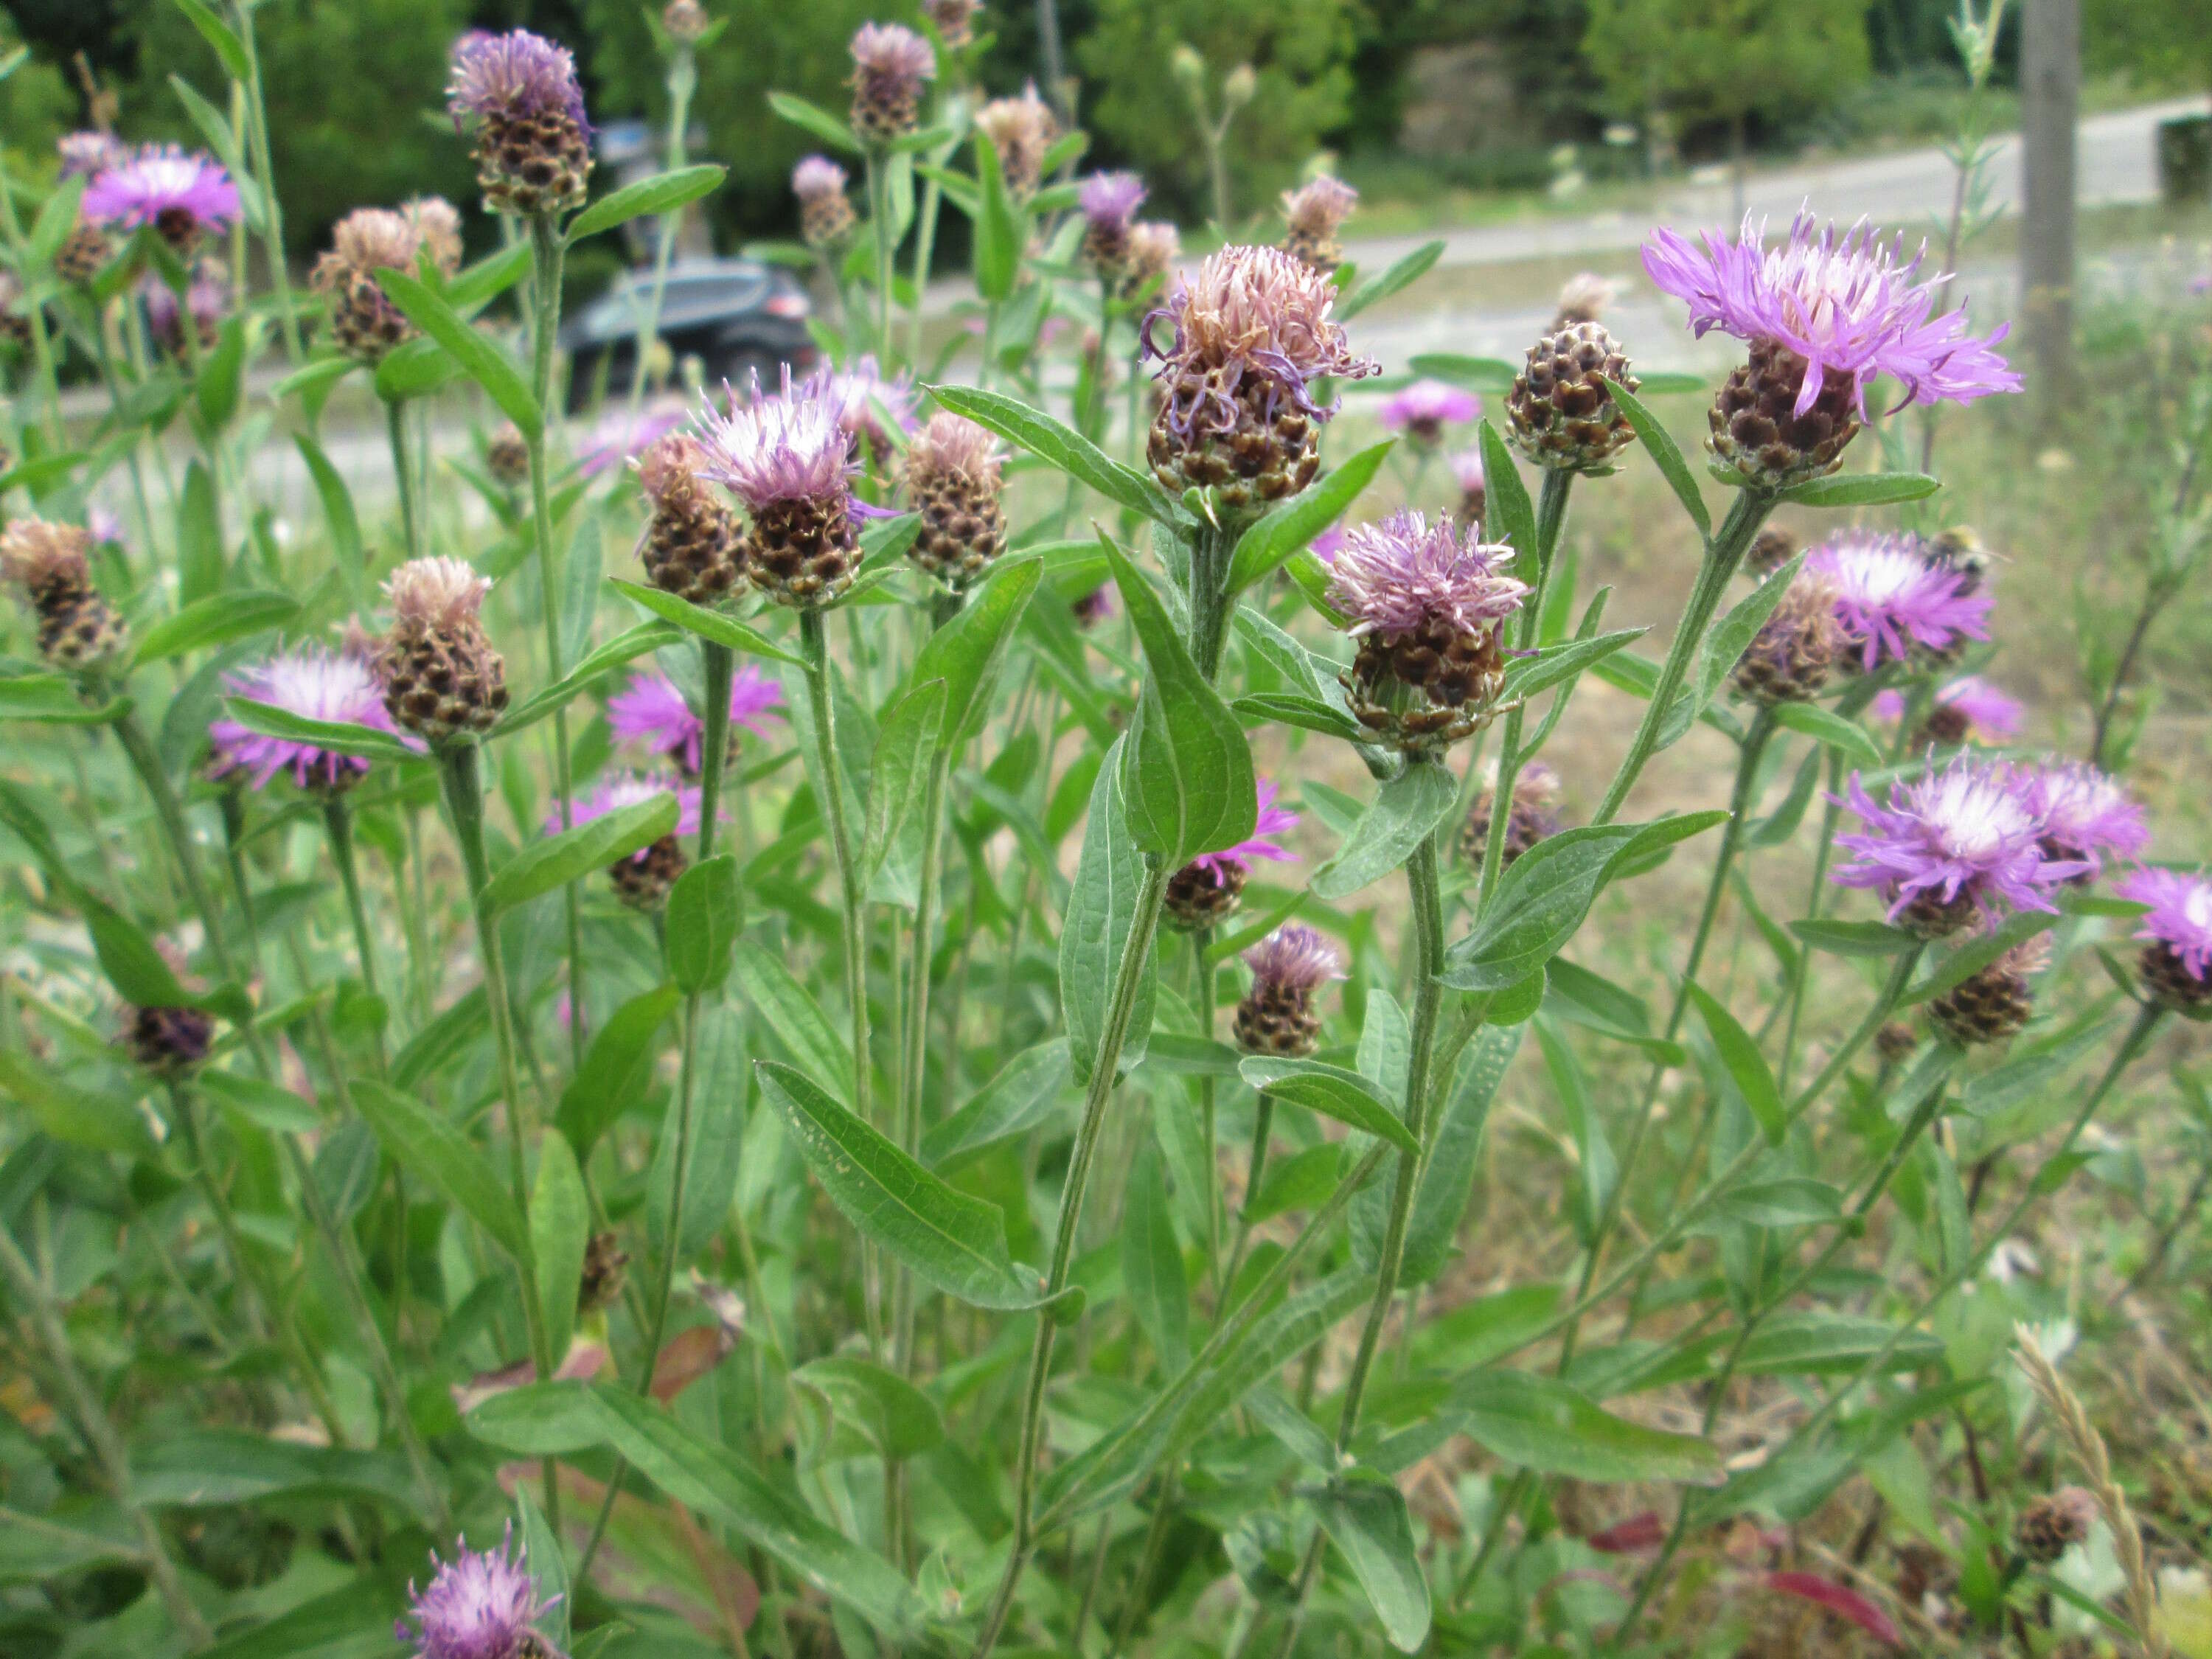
690, 297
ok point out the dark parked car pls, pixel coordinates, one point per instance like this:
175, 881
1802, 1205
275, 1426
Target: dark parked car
734, 315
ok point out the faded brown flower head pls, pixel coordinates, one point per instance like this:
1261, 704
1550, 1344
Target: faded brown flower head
1021, 130
37, 554
1585, 298
685, 22
954, 478
363, 320
1313, 214
953, 19
1790, 659
438, 592
437, 224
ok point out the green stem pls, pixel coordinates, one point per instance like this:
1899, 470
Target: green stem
880, 226
1120, 1007
547, 252
411, 512
682, 80
1723, 554
100, 1432
147, 763
42, 351
1263, 1128
272, 221
1427, 896
1550, 518
337, 820
814, 644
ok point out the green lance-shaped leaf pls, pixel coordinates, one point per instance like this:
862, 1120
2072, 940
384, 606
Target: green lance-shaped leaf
1401, 275
616, 1067
1292, 525
952, 1240
709, 625
1151, 1262
215, 620
1746, 1067
1062, 446
555, 861
968, 651
480, 360
778, 997
559, 1224
1863, 489
888, 1414
1406, 810
1508, 514
1332, 1091
1542, 1423
664, 192
434, 1149
1669, 458
1186, 771
1096, 925
340, 737
1025, 1089
702, 923
998, 226
906, 744
1364, 1516
1725, 648
1827, 727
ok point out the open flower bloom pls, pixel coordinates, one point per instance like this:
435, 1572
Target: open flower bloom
621, 789
1272, 821
866, 398
1295, 958
1952, 845
1404, 576
651, 713
2086, 814
318, 685
88, 154
2180, 915
817, 177
1426, 407
1111, 200
183, 197
618, 435
1250, 318
480, 1605
1842, 302
1969, 703
1891, 597
513, 76
788, 445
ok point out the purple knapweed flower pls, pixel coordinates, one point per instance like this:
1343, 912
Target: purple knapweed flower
1890, 599
1423, 410
184, 197
105, 528
1843, 303
480, 1605
865, 397
207, 300
817, 177
1272, 821
1970, 703
1403, 574
1090, 609
889, 63
318, 685
1326, 545
2086, 814
1294, 958
1952, 845
87, 154
1248, 315
651, 713
2180, 916
513, 75
1111, 199
789, 445
1468, 473
621, 789
618, 435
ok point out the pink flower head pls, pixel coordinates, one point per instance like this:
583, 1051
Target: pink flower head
1094, 607
86, 155
1274, 820
790, 446
513, 76
1988, 712
182, 195
1250, 313
618, 435
2180, 915
105, 528
1843, 303
1397, 576
2085, 814
318, 685
207, 298
621, 789
1112, 199
653, 713
864, 397
1294, 958
817, 177
440, 593
1891, 597
1966, 831
1467, 471
1318, 208
1330, 543
480, 1605
892, 54
1425, 408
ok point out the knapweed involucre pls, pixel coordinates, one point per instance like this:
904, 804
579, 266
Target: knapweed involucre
1993, 1003
50, 563
2176, 963
1897, 605
889, 63
642, 879
1252, 333
1473, 486
1425, 601
1108, 202
1824, 313
691, 547
167, 1041
364, 323
1208, 889
653, 713
826, 219
1561, 413
1533, 817
1968, 707
480, 1605
954, 477
533, 147
1313, 214
1423, 410
1021, 130
1953, 848
87, 247
186, 199
442, 679
784, 456
313, 682
206, 302
1277, 1016
1788, 659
